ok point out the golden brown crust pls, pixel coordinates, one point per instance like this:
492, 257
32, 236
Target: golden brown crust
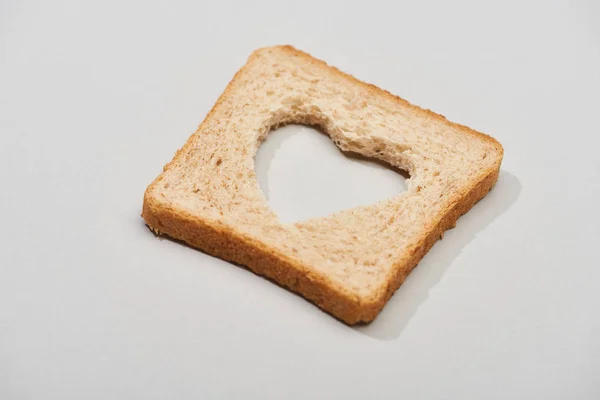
225, 242
229, 245
449, 220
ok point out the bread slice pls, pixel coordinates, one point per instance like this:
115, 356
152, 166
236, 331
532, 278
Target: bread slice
348, 263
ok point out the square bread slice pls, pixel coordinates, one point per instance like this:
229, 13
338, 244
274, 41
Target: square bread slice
348, 263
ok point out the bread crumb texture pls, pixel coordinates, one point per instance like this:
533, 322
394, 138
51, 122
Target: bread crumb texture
350, 262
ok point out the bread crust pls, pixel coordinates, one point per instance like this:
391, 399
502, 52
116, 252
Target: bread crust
223, 241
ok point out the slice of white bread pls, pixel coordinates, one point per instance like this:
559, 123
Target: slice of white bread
348, 263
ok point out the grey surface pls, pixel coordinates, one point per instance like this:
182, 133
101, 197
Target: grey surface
96, 97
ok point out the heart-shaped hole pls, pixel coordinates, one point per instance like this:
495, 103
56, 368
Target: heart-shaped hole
303, 175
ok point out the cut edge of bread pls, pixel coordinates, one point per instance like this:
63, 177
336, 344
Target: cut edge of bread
223, 240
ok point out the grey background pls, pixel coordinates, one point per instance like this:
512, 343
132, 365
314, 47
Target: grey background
95, 97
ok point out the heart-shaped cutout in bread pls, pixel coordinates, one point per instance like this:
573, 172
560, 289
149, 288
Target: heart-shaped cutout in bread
304, 175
